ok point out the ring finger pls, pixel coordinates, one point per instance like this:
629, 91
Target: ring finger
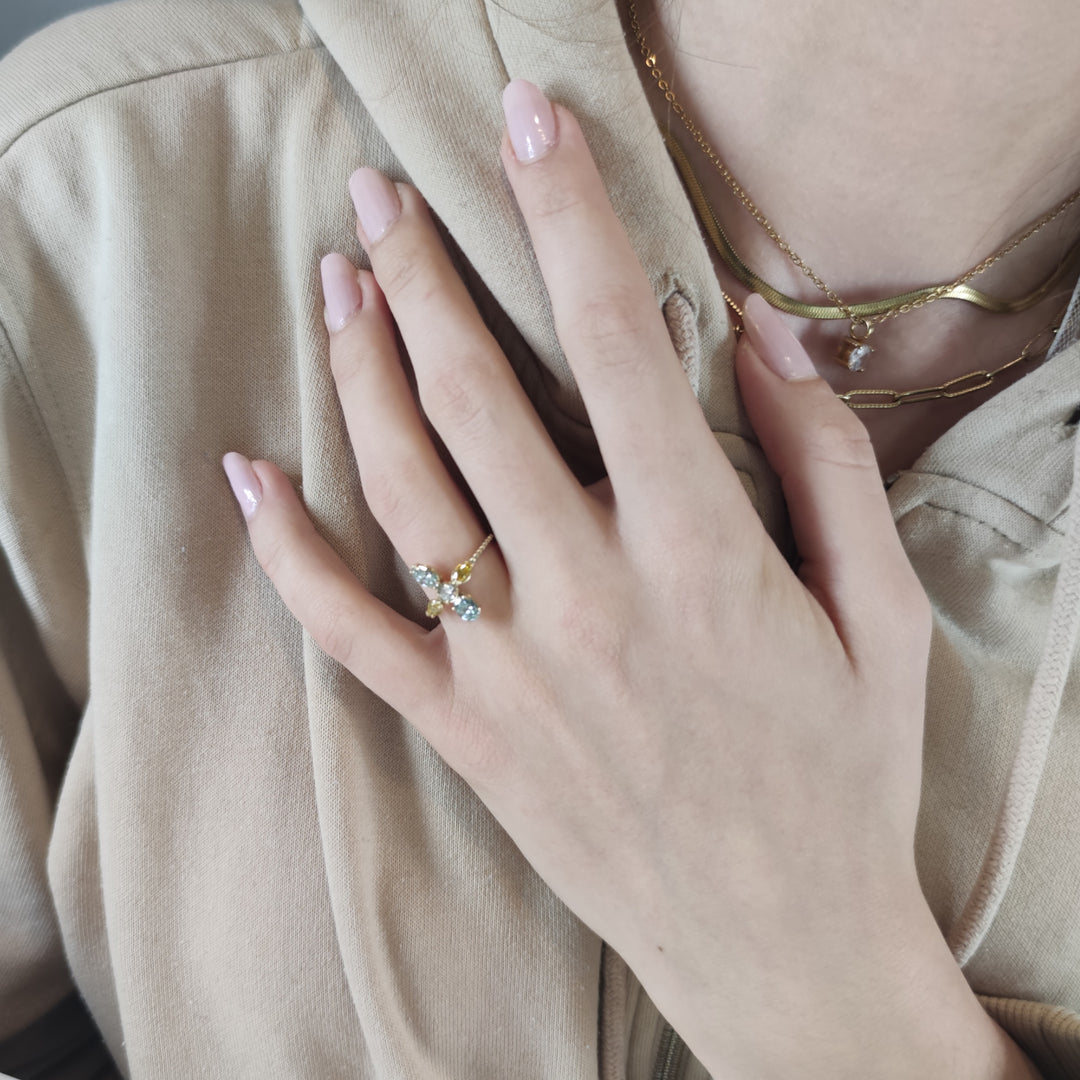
467, 387
406, 485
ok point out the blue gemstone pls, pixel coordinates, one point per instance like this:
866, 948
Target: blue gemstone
467, 608
425, 576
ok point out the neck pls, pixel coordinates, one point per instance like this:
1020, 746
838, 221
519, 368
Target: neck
892, 147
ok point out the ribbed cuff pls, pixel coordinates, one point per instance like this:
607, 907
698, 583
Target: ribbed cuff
1048, 1034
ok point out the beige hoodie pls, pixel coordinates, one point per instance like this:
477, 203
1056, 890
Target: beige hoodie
246, 865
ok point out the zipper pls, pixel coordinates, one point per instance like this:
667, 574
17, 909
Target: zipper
670, 1058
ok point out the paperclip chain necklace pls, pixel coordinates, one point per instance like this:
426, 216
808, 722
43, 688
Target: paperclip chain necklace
855, 348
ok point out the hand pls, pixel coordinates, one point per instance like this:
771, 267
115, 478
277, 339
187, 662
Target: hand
713, 760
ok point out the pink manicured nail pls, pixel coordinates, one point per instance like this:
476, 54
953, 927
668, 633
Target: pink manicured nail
376, 201
245, 483
774, 342
529, 119
341, 290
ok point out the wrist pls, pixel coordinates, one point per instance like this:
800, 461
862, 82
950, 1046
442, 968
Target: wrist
935, 1025
897, 1008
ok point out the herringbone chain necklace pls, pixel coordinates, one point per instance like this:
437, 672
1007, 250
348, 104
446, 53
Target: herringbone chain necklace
855, 347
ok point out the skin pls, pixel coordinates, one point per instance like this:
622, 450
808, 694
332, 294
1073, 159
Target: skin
676, 707
885, 145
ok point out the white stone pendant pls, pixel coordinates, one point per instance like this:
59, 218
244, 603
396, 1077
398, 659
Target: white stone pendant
855, 349
853, 354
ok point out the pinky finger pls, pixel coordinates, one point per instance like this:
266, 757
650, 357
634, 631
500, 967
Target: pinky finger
403, 663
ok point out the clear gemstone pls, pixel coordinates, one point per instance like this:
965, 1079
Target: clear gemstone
856, 357
425, 576
447, 592
467, 608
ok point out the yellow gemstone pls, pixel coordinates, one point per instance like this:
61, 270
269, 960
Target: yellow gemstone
461, 574
433, 608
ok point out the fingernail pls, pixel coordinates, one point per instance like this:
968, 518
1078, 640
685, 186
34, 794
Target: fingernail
245, 484
341, 290
774, 342
376, 201
529, 119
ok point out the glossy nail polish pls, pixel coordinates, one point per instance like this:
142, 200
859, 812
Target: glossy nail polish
341, 290
245, 484
530, 120
774, 342
376, 201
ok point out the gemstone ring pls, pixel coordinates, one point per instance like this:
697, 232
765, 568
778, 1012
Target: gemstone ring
448, 593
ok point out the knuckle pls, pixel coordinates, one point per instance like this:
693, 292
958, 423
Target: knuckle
611, 318
392, 496
553, 201
272, 553
332, 630
461, 395
692, 539
345, 358
398, 265
841, 442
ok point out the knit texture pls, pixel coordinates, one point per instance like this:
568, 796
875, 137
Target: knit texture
244, 863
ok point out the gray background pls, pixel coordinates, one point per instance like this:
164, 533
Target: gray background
20, 18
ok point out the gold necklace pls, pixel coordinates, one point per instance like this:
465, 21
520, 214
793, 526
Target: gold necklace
1070, 262
954, 388
855, 348
980, 379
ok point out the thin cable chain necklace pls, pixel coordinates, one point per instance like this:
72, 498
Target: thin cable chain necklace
855, 348
1066, 267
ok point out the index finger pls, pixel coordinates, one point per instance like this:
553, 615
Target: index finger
647, 420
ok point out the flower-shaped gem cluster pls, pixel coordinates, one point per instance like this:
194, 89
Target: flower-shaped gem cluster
447, 593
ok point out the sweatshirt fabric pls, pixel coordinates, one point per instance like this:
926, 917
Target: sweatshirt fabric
221, 856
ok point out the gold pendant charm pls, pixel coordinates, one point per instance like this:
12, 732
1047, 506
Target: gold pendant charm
855, 348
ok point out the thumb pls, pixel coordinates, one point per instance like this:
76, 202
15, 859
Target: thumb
852, 558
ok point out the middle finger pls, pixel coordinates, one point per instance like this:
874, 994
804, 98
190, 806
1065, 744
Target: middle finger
648, 422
